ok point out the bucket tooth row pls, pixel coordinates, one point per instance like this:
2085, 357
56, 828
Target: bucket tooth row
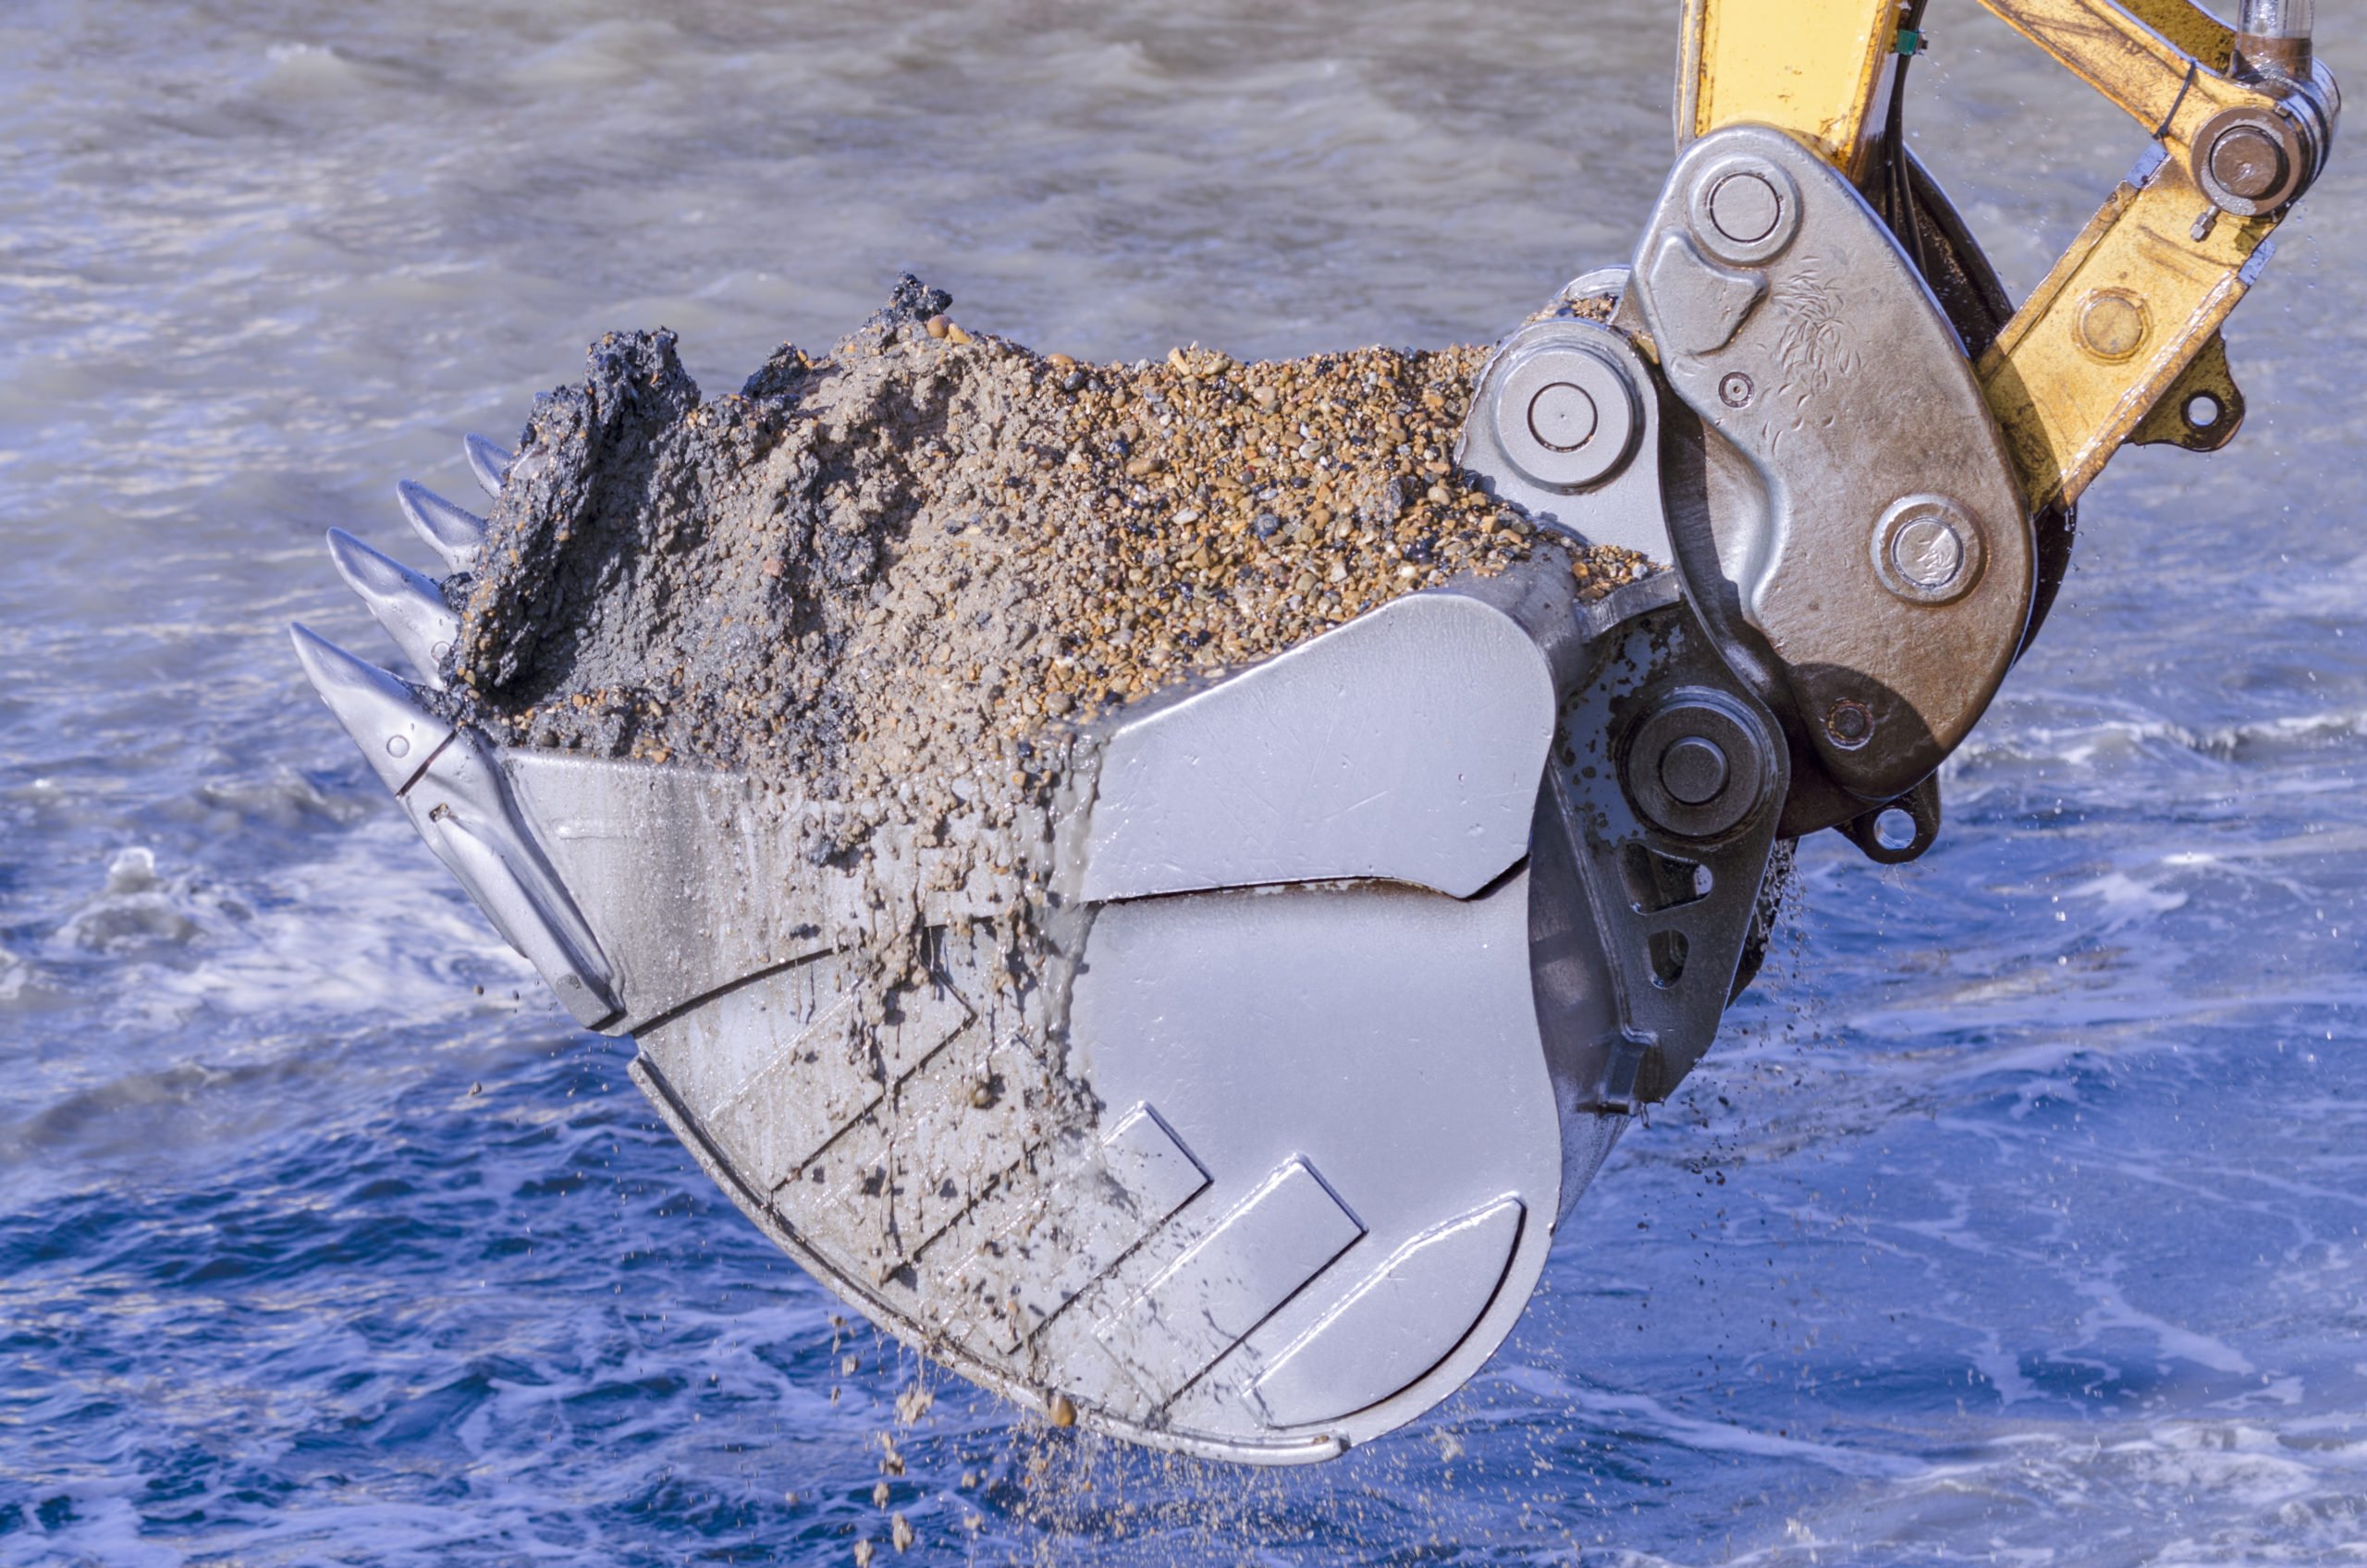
449, 783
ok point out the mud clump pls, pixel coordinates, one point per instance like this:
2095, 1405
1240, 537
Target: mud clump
911, 559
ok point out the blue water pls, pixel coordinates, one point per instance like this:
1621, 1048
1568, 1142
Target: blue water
2016, 1219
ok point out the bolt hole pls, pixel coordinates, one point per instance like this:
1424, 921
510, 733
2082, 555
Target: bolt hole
2202, 412
1849, 723
1667, 950
1894, 828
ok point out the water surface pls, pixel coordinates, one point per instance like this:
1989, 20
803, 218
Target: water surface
2016, 1219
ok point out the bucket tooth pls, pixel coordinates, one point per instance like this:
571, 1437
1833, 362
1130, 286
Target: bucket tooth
397, 736
489, 461
451, 785
456, 533
405, 603
462, 806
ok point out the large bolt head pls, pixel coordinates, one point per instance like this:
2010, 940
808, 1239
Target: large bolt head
1566, 417
1693, 769
1928, 550
2248, 162
1562, 416
1849, 724
1698, 764
1928, 553
1745, 208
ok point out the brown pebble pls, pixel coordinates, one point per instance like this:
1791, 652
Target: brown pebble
953, 334
1059, 362
938, 326
1062, 1411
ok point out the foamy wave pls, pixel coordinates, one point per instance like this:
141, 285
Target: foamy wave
2107, 740
1648, 1418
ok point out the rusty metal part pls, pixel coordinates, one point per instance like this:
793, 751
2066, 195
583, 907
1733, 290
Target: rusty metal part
1974, 300
2190, 28
2073, 376
2252, 161
2272, 39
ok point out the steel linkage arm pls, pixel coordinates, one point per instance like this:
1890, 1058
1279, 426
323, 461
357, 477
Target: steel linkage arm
2127, 322
2119, 343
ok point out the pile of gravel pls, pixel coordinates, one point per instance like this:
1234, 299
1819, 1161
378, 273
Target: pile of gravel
916, 558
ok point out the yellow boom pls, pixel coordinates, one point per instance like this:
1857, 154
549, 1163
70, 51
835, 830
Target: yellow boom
2120, 340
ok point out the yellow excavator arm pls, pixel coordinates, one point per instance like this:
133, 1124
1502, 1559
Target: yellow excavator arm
2120, 342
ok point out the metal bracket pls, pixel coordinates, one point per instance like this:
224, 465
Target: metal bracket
1653, 836
1886, 557
2202, 410
1901, 831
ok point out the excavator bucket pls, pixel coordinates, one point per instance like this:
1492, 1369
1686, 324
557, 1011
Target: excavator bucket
1318, 1048
1223, 1086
